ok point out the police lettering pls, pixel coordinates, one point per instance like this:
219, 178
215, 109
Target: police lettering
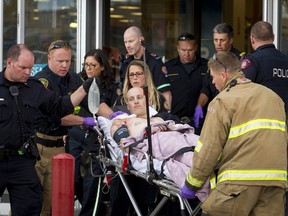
280, 72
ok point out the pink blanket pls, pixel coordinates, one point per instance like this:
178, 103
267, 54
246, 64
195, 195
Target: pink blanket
165, 144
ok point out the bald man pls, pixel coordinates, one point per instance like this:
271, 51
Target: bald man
133, 40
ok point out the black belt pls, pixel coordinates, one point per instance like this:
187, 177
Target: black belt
49, 143
9, 152
4, 153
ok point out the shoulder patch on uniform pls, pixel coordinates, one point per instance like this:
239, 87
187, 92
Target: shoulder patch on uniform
164, 70
166, 105
44, 82
245, 63
118, 91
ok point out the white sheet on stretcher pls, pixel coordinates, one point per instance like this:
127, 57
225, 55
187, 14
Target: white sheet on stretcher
174, 169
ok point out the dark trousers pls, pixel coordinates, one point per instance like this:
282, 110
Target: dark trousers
143, 192
88, 189
19, 176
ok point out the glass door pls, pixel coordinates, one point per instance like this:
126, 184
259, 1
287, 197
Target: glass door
9, 27
46, 21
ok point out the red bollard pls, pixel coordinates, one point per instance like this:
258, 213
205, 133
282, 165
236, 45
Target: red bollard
63, 185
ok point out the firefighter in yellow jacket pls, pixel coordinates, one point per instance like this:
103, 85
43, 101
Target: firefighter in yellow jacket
242, 146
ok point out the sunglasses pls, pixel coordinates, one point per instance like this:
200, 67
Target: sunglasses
216, 59
186, 37
60, 44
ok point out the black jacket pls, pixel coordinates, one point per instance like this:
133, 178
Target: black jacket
33, 97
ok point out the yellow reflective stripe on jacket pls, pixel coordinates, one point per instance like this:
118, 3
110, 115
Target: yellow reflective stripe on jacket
198, 147
255, 125
193, 181
213, 182
252, 175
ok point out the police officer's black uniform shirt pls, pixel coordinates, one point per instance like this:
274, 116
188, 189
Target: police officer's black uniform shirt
185, 85
156, 66
63, 86
110, 96
269, 67
238, 53
32, 97
209, 88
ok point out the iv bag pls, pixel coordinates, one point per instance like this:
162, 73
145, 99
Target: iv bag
93, 98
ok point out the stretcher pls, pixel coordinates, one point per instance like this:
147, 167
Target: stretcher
111, 155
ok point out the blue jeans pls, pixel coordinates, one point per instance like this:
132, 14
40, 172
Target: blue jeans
88, 189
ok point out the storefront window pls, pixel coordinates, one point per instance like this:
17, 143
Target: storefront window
46, 21
284, 28
9, 26
161, 23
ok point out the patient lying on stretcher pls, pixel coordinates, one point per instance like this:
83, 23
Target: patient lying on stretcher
171, 142
135, 100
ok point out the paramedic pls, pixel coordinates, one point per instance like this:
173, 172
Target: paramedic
242, 146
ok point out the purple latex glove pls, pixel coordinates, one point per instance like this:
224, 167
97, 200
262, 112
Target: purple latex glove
89, 121
197, 115
113, 115
186, 193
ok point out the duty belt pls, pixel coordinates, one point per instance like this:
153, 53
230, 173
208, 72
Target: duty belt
4, 153
49, 141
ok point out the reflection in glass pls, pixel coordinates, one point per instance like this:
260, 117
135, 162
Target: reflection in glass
46, 21
10, 26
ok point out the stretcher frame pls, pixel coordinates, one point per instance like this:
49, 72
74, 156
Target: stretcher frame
167, 188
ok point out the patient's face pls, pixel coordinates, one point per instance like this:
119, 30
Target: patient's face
136, 101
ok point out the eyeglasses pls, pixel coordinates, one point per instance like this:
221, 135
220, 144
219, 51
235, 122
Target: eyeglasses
216, 59
90, 66
59, 44
186, 37
137, 74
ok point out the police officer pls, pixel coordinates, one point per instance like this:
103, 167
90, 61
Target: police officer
185, 74
266, 65
49, 132
223, 39
133, 40
223, 42
20, 97
83, 140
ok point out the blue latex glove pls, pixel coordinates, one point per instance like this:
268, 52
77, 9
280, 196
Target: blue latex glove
113, 115
187, 193
197, 115
89, 121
